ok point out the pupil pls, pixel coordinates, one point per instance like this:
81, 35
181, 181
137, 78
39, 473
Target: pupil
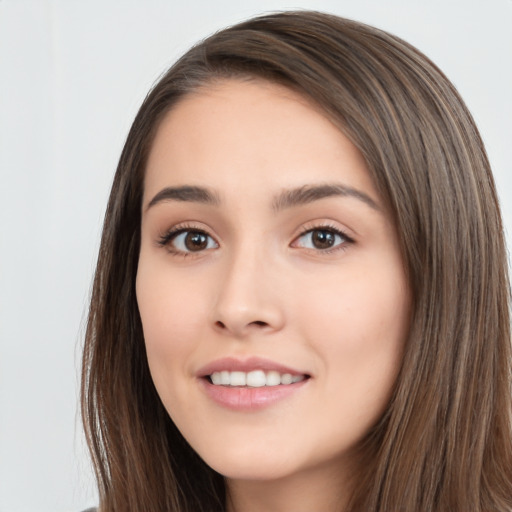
195, 241
323, 239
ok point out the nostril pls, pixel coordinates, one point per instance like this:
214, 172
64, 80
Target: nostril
241, 324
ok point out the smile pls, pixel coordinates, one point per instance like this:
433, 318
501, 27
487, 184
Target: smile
250, 384
253, 379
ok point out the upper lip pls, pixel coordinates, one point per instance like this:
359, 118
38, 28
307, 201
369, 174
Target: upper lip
245, 365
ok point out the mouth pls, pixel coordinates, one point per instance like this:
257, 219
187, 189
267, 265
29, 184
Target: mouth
254, 379
250, 384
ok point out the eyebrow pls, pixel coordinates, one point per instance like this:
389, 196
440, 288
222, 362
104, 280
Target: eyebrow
188, 193
285, 199
310, 193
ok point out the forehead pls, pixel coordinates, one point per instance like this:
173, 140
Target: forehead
244, 132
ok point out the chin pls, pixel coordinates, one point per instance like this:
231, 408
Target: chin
237, 465
252, 472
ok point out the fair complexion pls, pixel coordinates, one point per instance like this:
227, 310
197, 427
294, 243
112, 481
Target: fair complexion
266, 250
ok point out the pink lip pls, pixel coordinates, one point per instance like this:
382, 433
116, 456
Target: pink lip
246, 398
245, 365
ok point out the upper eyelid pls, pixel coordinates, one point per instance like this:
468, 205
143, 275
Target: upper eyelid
169, 234
327, 226
346, 239
185, 226
179, 228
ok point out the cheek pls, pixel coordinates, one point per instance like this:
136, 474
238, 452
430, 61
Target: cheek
358, 310
172, 320
358, 323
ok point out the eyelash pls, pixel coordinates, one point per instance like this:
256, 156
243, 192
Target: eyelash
331, 229
166, 239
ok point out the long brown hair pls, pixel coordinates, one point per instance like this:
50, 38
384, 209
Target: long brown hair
445, 441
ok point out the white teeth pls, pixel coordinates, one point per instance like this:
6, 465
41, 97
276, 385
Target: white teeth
273, 378
286, 378
253, 379
256, 379
238, 379
216, 378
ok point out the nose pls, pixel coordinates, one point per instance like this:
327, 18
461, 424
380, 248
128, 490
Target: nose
250, 299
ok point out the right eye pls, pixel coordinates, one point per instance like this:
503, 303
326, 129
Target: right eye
185, 241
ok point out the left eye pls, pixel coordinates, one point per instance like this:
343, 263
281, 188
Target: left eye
321, 239
192, 241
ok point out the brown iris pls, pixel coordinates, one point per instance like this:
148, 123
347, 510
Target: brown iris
196, 241
323, 239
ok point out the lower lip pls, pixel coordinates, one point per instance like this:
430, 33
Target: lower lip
247, 398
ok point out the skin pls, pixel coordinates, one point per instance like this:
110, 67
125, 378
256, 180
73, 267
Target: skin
260, 287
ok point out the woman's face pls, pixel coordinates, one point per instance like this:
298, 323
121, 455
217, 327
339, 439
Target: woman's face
270, 283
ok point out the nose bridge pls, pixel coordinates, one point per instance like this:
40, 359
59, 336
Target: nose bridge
247, 297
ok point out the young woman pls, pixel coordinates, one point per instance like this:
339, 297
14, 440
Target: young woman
301, 300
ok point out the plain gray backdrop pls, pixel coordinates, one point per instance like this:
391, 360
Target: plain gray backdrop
72, 75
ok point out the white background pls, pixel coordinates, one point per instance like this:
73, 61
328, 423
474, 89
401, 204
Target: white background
72, 75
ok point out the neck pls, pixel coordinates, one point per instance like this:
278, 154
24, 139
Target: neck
317, 489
